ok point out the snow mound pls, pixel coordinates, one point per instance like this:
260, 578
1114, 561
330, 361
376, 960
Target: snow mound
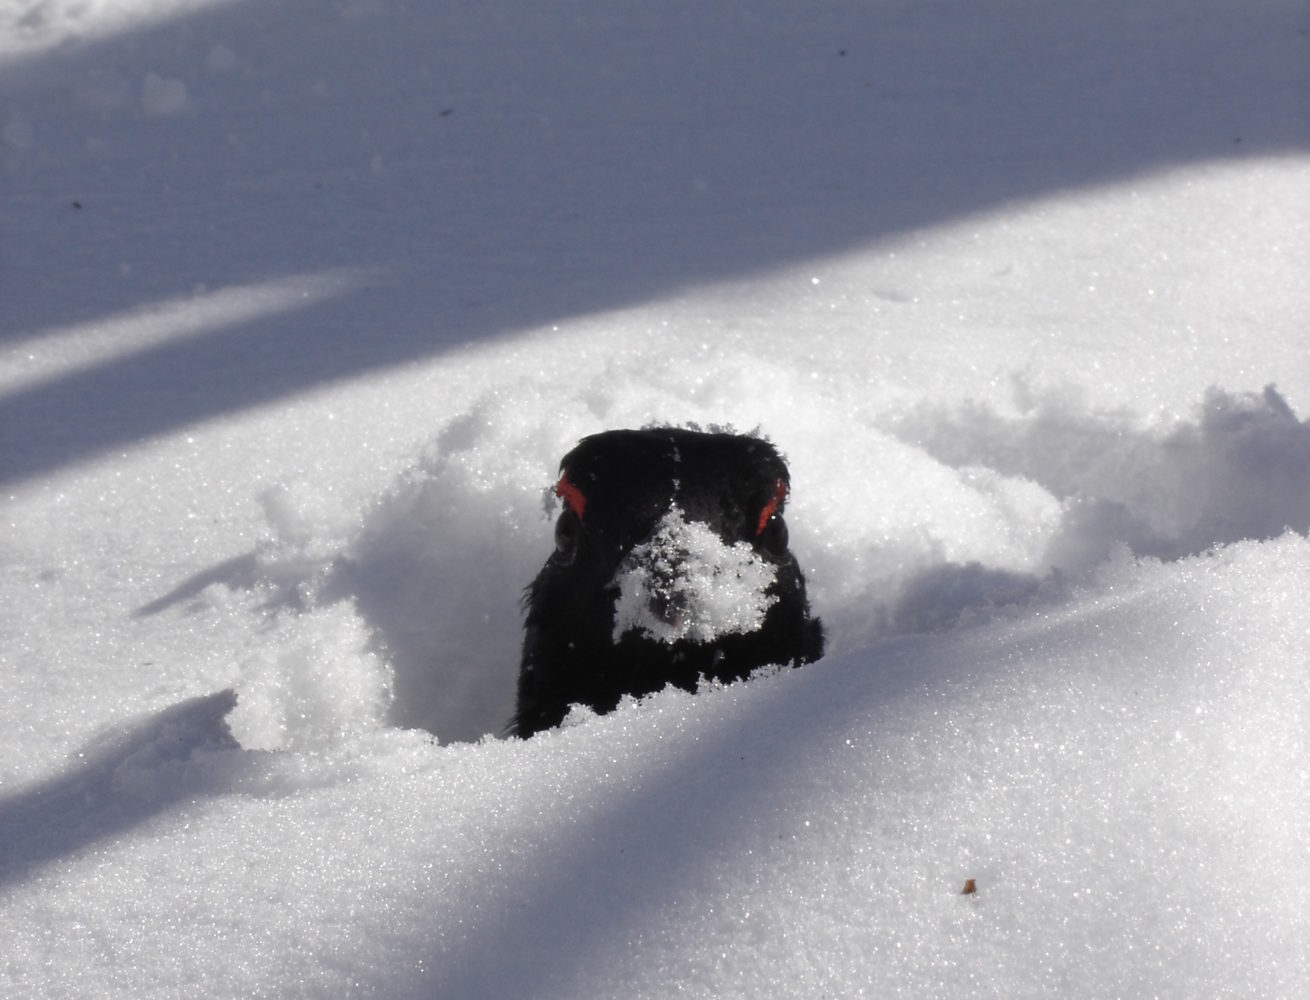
1240, 469
688, 583
311, 689
974, 506
966, 511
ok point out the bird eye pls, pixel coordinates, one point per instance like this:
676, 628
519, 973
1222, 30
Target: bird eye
574, 499
771, 529
772, 538
568, 534
773, 507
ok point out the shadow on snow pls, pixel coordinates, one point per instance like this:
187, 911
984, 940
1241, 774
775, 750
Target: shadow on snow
119, 783
502, 167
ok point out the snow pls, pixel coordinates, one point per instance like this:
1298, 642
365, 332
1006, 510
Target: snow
300, 305
710, 588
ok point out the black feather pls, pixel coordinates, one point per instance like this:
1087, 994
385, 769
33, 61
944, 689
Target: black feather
617, 487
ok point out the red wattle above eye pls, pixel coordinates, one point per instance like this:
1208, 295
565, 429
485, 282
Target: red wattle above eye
771, 508
571, 495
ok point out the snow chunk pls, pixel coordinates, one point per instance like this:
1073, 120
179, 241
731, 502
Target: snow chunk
310, 689
687, 583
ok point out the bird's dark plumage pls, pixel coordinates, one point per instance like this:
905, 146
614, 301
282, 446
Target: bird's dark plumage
671, 564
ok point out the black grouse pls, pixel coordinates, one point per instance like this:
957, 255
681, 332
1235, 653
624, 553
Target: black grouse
670, 564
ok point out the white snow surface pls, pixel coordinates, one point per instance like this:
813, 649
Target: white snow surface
300, 305
712, 588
